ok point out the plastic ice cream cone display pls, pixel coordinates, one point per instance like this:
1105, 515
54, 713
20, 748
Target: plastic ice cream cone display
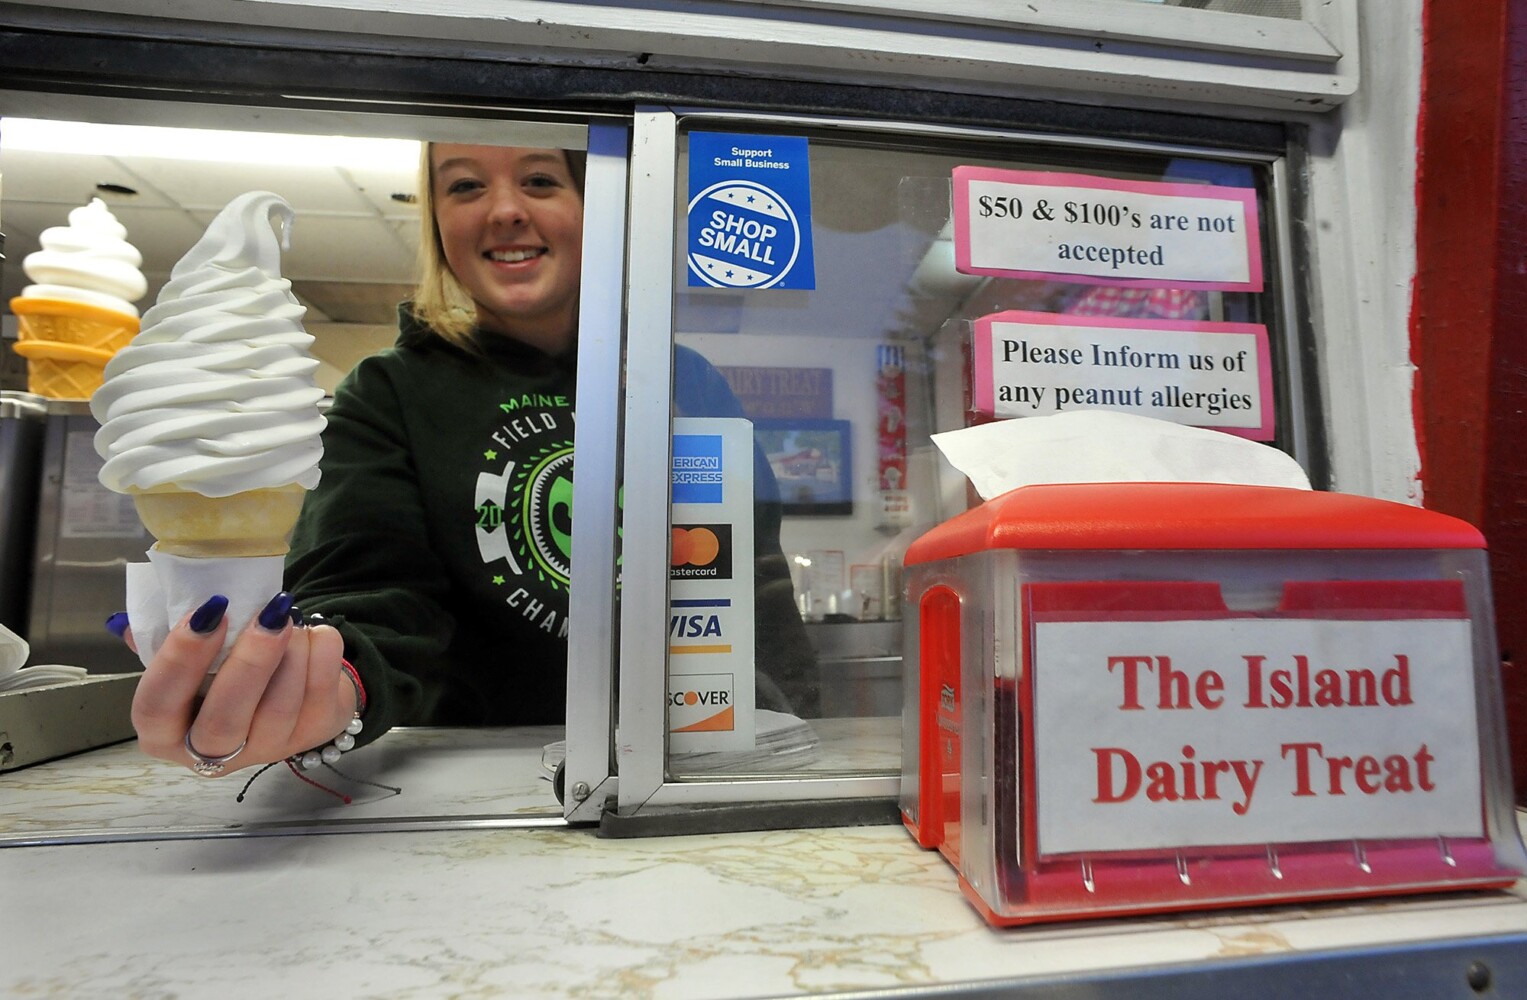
67, 344
253, 523
79, 310
210, 421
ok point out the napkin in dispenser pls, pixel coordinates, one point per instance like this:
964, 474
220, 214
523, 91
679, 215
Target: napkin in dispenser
1103, 446
49, 710
14, 651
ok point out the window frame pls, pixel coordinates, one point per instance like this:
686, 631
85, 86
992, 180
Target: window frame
1137, 55
641, 717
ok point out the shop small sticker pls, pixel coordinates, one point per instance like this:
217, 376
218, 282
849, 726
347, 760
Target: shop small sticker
749, 212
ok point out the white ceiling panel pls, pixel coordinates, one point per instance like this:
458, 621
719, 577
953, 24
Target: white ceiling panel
406, 230
337, 248
349, 229
67, 178
379, 186
206, 185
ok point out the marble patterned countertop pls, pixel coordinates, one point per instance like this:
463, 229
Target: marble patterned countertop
542, 910
447, 776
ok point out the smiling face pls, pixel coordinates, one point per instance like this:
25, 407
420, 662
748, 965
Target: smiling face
510, 223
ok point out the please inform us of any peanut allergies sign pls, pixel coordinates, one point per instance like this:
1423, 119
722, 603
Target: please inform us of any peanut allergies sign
1194, 372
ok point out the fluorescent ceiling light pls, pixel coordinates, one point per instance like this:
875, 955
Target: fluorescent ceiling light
272, 148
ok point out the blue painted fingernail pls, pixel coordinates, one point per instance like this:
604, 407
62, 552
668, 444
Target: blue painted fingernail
296, 616
117, 624
206, 618
277, 613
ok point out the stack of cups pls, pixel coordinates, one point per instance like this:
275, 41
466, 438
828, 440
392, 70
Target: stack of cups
79, 310
67, 344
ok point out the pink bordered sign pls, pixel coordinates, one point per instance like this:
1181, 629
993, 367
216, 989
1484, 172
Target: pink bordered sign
1199, 373
1105, 231
1347, 712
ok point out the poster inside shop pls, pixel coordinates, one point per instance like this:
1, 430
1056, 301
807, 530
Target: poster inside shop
1158, 732
1200, 373
1104, 230
749, 214
710, 586
891, 435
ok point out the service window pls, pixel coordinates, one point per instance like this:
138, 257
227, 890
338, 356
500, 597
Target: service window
840, 293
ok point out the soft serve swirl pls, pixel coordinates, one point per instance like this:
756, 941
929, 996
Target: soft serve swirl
216, 394
88, 261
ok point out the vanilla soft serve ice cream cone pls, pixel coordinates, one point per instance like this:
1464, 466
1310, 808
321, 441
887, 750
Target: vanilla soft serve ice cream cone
210, 420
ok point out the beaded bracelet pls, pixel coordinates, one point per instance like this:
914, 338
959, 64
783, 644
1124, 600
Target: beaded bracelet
329, 753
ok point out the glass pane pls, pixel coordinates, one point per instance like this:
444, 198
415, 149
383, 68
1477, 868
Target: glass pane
351, 262
840, 381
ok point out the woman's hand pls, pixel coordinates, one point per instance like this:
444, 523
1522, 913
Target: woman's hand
280, 691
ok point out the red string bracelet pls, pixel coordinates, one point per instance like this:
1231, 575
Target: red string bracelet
355, 679
337, 794
327, 755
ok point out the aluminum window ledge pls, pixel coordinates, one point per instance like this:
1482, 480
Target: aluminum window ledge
1110, 19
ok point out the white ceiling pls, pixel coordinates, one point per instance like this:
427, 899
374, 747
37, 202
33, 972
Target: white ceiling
352, 245
352, 254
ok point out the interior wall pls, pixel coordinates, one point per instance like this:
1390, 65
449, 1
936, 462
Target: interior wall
340, 346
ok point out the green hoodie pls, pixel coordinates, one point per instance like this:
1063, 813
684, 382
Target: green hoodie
438, 539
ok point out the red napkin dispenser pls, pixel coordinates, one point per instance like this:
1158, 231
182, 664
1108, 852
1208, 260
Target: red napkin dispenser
1132, 698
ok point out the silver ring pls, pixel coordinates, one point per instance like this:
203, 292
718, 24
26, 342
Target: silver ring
211, 767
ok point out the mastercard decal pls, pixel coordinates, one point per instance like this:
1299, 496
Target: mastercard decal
700, 552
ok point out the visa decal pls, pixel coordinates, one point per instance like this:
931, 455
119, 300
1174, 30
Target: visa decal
697, 625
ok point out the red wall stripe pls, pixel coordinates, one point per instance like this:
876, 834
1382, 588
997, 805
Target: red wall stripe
1470, 302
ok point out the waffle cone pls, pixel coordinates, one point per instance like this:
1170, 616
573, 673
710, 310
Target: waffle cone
67, 344
73, 323
254, 523
62, 371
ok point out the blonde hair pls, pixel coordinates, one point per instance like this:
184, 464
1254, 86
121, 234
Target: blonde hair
440, 302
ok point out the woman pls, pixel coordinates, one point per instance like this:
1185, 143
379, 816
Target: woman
436, 546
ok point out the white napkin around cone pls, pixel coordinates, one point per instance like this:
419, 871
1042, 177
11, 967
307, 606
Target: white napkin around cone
168, 587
